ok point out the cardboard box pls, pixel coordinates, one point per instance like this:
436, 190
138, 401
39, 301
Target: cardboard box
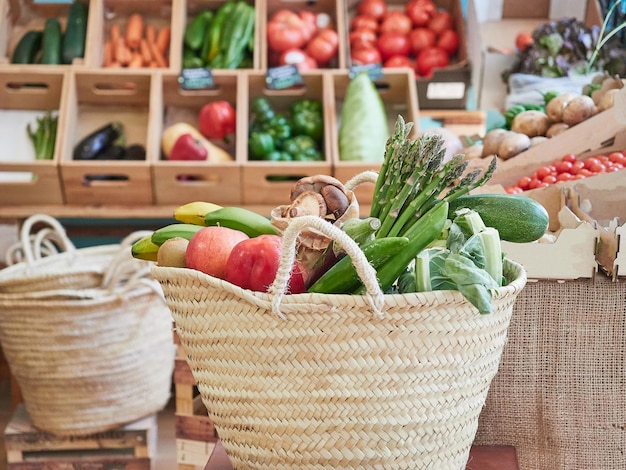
17, 17
179, 182
334, 10
94, 99
157, 14
26, 93
492, 26
398, 92
448, 88
267, 182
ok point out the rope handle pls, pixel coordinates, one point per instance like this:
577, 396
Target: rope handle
123, 266
368, 176
34, 247
364, 269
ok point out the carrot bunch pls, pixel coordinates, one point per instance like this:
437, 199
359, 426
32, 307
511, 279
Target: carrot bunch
140, 45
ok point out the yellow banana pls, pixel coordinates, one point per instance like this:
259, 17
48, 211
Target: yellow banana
174, 230
245, 220
194, 212
144, 249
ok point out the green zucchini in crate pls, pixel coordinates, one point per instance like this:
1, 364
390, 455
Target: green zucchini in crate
27, 48
51, 43
518, 219
75, 38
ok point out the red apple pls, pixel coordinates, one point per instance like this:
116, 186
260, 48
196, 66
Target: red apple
210, 247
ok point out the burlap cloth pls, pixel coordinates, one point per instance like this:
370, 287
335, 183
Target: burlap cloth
560, 394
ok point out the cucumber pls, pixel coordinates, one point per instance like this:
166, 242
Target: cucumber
518, 219
27, 48
75, 33
51, 42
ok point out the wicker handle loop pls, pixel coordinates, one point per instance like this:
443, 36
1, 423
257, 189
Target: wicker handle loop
123, 267
31, 246
368, 176
364, 269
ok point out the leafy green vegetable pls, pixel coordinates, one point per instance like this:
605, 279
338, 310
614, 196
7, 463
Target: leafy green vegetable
44, 136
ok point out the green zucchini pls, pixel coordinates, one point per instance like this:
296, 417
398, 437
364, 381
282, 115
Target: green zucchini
75, 33
51, 42
518, 219
27, 48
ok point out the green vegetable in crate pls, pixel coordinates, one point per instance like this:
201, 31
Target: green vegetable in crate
363, 129
302, 148
262, 110
27, 48
260, 145
51, 42
234, 36
279, 127
75, 37
307, 118
44, 137
196, 29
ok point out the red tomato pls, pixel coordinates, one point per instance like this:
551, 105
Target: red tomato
392, 43
323, 47
513, 190
309, 23
441, 21
523, 40
374, 8
397, 22
216, 120
565, 177
431, 58
597, 168
366, 55
563, 167
550, 179
285, 30
523, 182
576, 167
543, 172
617, 157
590, 161
399, 61
570, 157
421, 38
298, 58
448, 40
364, 22
361, 38
420, 11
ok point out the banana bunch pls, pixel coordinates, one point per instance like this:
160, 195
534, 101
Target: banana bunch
197, 215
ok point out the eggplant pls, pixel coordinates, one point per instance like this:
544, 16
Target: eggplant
135, 152
114, 152
98, 141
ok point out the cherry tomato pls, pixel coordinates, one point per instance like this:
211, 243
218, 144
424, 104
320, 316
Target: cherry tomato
523, 182
543, 172
569, 157
576, 167
550, 179
513, 190
362, 37
420, 11
589, 161
364, 22
393, 43
399, 61
431, 58
421, 38
617, 157
564, 177
366, 55
534, 183
448, 40
374, 8
323, 47
397, 22
597, 168
523, 40
441, 21
563, 167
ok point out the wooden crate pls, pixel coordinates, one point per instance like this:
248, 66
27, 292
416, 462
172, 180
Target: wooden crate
195, 432
398, 92
17, 17
94, 99
130, 447
335, 12
265, 182
156, 13
179, 182
25, 94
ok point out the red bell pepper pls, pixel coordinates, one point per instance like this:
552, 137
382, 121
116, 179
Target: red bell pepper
187, 147
253, 263
216, 120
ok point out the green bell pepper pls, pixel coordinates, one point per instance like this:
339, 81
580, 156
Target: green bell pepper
302, 148
308, 118
262, 109
279, 127
260, 145
279, 156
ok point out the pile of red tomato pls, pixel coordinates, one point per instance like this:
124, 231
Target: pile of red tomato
419, 36
569, 168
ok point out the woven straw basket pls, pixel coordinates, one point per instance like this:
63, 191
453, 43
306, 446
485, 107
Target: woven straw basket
318, 381
88, 360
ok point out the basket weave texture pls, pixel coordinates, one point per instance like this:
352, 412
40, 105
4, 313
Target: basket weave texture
88, 360
331, 385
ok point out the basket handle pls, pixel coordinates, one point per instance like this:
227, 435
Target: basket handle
364, 269
31, 246
123, 266
367, 176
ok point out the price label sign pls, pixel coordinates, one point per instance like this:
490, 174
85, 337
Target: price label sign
285, 76
196, 79
375, 71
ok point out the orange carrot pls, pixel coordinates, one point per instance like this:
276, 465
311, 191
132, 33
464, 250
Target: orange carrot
134, 31
136, 61
122, 53
156, 55
145, 51
114, 33
150, 33
108, 53
163, 39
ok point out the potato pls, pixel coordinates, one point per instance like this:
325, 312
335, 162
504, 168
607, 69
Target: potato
555, 107
556, 129
532, 123
473, 151
537, 140
578, 110
607, 100
513, 144
492, 140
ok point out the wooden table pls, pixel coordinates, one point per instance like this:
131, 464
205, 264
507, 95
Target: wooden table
481, 458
